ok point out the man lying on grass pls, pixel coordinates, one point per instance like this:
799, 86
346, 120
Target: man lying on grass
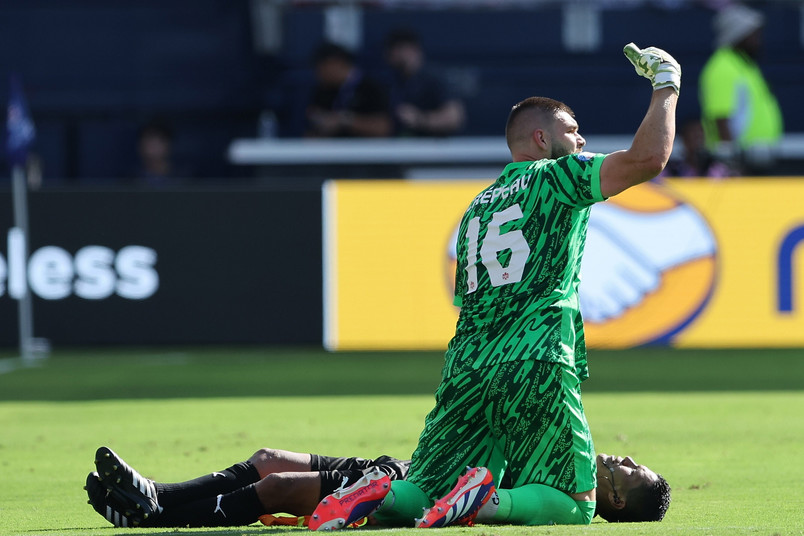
278, 481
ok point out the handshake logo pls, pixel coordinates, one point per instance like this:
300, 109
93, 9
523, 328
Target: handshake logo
648, 268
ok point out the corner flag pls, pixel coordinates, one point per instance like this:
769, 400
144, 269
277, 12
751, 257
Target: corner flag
21, 134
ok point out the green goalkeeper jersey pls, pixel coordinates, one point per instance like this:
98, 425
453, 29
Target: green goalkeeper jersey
519, 249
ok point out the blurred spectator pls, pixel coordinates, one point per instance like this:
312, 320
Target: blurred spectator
419, 98
155, 150
345, 102
696, 160
741, 117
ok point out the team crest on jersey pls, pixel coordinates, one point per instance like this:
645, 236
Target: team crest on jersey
585, 156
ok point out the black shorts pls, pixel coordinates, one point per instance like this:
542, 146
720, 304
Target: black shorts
341, 472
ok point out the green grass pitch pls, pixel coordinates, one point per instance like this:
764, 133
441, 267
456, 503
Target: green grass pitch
725, 427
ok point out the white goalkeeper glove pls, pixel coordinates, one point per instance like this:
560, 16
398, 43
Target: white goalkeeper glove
656, 65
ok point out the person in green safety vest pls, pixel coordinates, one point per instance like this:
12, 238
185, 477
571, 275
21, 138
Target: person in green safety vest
740, 114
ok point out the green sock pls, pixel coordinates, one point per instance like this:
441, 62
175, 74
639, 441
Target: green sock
404, 503
537, 504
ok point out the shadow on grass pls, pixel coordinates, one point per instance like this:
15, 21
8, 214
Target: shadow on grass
99, 374
221, 531
216, 531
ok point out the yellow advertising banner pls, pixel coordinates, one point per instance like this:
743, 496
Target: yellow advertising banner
684, 262
757, 296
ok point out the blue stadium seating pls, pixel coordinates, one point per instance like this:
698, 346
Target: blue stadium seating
94, 71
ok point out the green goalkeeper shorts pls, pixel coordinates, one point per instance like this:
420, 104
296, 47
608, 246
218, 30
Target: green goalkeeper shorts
523, 420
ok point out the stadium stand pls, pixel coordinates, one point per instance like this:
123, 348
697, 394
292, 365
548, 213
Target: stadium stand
94, 73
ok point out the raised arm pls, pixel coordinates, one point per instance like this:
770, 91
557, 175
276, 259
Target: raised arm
653, 141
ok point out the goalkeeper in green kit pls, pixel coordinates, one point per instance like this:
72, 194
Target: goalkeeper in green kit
509, 402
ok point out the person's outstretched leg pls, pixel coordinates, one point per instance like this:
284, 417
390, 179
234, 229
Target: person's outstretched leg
135, 500
263, 463
290, 493
238, 508
113, 470
125, 506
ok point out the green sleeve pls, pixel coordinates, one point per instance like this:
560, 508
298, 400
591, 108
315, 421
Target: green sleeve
575, 179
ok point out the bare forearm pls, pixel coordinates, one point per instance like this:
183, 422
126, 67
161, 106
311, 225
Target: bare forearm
653, 141
650, 149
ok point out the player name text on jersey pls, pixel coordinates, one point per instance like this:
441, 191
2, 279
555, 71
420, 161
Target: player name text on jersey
490, 194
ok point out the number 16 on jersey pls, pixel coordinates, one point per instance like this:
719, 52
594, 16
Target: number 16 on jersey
493, 244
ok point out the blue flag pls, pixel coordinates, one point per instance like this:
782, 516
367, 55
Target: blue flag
19, 126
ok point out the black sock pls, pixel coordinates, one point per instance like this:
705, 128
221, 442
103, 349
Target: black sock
238, 508
235, 477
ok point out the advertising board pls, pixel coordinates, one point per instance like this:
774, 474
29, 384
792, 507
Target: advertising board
683, 262
159, 267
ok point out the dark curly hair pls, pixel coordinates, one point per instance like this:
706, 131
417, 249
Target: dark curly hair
648, 502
